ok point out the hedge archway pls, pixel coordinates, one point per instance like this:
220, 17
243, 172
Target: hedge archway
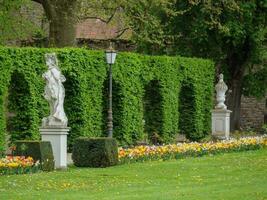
73, 105
18, 104
187, 109
152, 102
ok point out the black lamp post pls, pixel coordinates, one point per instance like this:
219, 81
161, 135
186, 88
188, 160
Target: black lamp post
110, 58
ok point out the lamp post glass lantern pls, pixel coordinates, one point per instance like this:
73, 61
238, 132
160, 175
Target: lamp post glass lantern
110, 55
110, 59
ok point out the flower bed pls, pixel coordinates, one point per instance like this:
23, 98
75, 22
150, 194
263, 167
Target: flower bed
18, 165
175, 151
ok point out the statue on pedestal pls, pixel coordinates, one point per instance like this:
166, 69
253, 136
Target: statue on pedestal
220, 117
221, 89
54, 93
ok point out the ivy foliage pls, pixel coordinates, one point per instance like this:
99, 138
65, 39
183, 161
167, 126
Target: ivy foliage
137, 106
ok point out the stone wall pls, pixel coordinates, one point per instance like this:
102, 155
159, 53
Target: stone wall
253, 113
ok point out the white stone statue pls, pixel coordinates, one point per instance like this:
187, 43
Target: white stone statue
221, 89
54, 93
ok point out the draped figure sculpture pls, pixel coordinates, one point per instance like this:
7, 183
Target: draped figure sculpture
54, 93
221, 88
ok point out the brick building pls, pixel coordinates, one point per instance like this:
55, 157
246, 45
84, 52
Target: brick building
96, 34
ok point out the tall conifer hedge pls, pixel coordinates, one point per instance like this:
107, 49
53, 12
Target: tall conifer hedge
163, 111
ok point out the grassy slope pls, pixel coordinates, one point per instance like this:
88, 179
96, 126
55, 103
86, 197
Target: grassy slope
231, 176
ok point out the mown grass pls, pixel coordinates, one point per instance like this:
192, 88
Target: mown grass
230, 176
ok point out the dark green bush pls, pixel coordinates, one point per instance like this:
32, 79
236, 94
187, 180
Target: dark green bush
95, 152
38, 150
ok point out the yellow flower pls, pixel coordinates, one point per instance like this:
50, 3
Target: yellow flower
13, 164
2, 164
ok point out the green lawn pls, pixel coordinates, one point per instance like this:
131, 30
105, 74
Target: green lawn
230, 176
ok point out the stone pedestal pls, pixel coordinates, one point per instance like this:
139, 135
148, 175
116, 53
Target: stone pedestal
58, 138
221, 123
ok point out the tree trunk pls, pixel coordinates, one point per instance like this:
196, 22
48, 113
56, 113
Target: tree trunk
234, 103
61, 31
62, 21
237, 62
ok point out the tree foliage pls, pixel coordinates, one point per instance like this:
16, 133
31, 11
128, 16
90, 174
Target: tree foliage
15, 23
232, 33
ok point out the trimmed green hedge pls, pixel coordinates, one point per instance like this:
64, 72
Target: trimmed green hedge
38, 150
95, 152
86, 72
